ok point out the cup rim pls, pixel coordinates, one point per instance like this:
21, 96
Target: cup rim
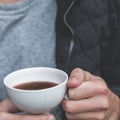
15, 89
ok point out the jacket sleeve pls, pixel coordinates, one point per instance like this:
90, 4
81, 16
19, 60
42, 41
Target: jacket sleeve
111, 64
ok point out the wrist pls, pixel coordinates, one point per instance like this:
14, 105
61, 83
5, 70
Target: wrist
119, 109
116, 108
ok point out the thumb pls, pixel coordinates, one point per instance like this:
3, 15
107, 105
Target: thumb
78, 76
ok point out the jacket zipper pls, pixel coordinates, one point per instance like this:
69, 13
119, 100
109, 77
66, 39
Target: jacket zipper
72, 40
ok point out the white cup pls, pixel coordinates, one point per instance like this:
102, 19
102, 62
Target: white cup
36, 101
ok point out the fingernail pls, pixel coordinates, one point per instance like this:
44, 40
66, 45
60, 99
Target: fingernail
73, 82
73, 79
51, 117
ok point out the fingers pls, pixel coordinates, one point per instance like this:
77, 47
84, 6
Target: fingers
101, 115
77, 77
96, 103
7, 106
8, 116
83, 84
88, 89
89, 98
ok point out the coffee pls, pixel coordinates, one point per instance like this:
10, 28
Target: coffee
35, 85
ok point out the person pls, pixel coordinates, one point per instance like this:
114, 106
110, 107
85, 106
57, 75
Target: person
87, 48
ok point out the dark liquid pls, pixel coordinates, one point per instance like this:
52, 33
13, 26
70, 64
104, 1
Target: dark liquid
35, 85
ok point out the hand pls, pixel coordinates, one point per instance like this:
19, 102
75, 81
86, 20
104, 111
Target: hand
90, 98
7, 109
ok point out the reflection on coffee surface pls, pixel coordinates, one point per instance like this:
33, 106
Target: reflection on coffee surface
35, 85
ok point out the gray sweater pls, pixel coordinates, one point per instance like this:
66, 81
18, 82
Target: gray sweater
27, 37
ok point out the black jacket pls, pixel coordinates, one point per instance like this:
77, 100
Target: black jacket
88, 36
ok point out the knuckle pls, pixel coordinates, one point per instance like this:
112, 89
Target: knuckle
68, 115
77, 70
103, 89
74, 73
77, 74
100, 88
68, 107
71, 94
105, 103
99, 116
